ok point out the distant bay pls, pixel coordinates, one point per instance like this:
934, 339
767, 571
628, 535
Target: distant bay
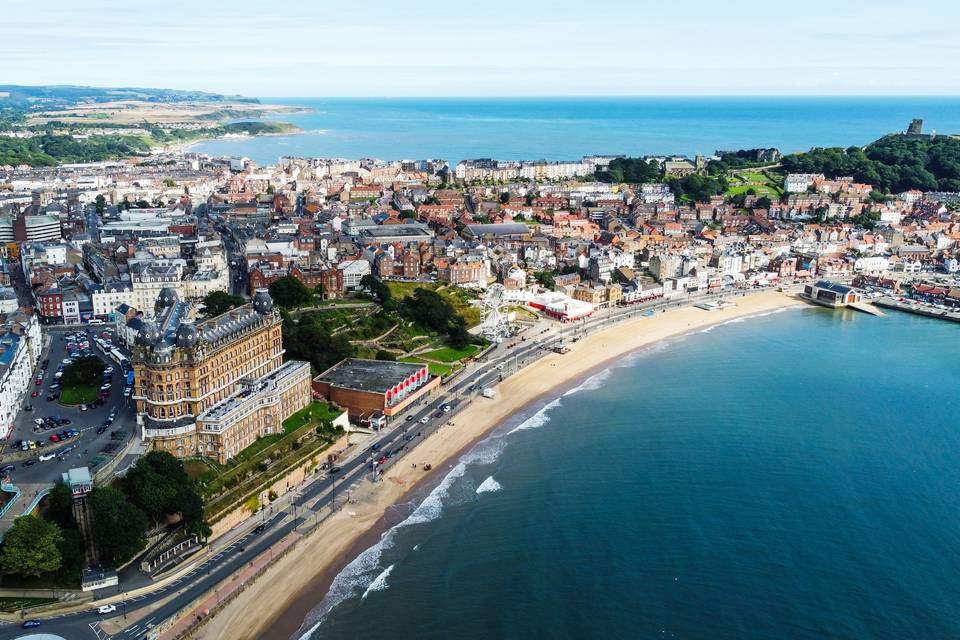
569, 128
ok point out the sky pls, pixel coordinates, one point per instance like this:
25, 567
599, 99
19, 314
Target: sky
487, 47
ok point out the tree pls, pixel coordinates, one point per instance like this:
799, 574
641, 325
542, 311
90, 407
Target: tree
82, 371
159, 486
31, 547
381, 292
72, 552
101, 204
545, 278
385, 355
290, 293
763, 202
60, 506
458, 336
119, 526
216, 303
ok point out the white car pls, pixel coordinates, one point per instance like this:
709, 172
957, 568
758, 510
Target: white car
107, 608
424, 420
38, 422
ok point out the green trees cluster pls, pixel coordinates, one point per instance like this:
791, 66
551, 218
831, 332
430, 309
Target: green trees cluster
429, 310
742, 159
630, 170
159, 486
31, 548
697, 188
309, 339
893, 163
48, 150
290, 293
156, 487
216, 303
379, 290
83, 371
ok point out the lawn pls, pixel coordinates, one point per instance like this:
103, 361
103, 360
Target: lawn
79, 394
762, 183
436, 368
81, 381
449, 354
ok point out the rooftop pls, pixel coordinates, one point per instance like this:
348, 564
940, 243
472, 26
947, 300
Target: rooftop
378, 376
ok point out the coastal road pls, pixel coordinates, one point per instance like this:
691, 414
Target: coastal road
317, 497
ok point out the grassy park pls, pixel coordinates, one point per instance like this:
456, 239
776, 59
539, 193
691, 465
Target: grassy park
81, 381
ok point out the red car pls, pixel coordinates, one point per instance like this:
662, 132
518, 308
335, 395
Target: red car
34, 394
38, 381
382, 460
54, 438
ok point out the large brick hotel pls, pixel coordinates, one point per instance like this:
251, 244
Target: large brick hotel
367, 387
213, 388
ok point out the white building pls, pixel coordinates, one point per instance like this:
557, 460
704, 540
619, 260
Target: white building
800, 182
871, 265
353, 272
112, 296
19, 353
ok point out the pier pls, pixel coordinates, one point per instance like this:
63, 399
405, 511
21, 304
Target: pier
918, 309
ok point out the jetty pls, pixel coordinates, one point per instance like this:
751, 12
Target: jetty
917, 308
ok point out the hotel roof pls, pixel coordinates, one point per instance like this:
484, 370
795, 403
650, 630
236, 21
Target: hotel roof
378, 376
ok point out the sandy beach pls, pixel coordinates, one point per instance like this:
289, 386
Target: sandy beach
274, 606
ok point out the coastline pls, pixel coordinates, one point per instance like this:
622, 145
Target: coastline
276, 604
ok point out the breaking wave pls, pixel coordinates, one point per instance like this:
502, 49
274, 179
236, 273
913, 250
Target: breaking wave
379, 583
489, 486
538, 419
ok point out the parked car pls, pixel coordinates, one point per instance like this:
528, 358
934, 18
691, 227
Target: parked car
54, 438
34, 394
30, 462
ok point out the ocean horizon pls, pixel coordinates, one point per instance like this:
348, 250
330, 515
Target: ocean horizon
568, 128
735, 482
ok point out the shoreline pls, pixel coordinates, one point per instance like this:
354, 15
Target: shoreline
276, 605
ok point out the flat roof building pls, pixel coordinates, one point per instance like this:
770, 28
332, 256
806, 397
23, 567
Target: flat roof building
363, 387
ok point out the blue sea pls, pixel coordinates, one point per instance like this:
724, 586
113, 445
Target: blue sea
790, 475
454, 129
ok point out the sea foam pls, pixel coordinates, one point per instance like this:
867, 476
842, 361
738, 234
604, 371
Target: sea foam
489, 486
379, 583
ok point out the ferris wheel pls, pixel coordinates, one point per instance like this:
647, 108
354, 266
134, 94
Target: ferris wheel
493, 316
